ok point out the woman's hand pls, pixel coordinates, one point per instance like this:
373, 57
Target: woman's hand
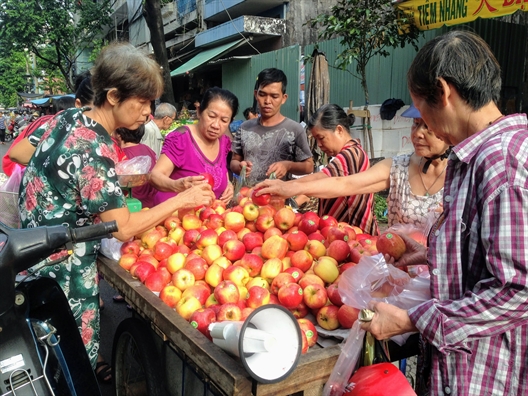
228, 193
187, 182
276, 187
415, 253
280, 168
197, 195
388, 321
248, 165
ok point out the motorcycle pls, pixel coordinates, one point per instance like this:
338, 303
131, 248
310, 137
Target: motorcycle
41, 350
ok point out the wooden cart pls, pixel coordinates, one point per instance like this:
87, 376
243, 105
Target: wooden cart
191, 364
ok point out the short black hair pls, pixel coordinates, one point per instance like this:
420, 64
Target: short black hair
63, 103
223, 94
249, 110
270, 76
131, 136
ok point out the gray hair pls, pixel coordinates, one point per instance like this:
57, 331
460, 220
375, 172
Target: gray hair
164, 110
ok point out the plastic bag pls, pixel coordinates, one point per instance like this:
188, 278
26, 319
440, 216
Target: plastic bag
134, 166
111, 248
9, 213
240, 182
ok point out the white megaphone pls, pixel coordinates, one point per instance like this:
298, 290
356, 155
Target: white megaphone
268, 342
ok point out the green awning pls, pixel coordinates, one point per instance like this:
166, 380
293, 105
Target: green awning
203, 57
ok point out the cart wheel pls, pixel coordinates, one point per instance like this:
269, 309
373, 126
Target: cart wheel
8, 137
137, 368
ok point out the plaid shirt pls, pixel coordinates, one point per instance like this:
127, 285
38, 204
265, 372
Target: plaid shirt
477, 321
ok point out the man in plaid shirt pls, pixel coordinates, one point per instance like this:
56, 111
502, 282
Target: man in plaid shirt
476, 324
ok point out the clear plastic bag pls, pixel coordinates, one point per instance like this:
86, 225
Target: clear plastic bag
9, 213
111, 248
139, 165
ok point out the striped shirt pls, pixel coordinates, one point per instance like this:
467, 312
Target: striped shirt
356, 210
477, 321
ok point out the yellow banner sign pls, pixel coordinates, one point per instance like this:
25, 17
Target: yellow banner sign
432, 14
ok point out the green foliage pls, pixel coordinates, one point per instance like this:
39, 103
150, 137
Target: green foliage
56, 31
380, 208
366, 28
12, 70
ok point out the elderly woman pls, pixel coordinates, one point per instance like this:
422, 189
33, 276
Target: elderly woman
415, 180
475, 326
198, 148
71, 177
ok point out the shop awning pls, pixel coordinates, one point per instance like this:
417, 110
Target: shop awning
432, 14
203, 57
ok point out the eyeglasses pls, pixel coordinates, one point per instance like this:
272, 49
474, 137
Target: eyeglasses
171, 118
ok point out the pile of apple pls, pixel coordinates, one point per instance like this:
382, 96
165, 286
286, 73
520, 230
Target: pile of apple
215, 264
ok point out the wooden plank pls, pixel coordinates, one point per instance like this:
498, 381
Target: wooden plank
229, 375
360, 113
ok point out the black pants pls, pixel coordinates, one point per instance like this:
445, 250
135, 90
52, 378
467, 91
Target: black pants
2, 135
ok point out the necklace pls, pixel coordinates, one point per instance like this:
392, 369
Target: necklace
496, 119
431, 186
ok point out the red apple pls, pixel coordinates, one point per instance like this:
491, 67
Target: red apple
327, 221
297, 273
131, 247
302, 260
310, 279
284, 219
214, 221
308, 226
183, 279
252, 263
290, 295
155, 281
127, 260
201, 319
297, 240
347, 315
226, 236
237, 274
234, 249
211, 253
198, 266
226, 292
260, 200
315, 296
234, 221
170, 295
150, 237
271, 268
190, 237
252, 240
280, 280
206, 238
391, 244
309, 329
162, 250
208, 178
274, 247
191, 222
257, 296
333, 294
229, 311
143, 270
327, 317
304, 343
201, 292
272, 231
345, 266
300, 311
332, 234
339, 250
264, 222
315, 248
187, 306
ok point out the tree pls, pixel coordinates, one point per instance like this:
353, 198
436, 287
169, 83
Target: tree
152, 14
12, 70
66, 27
366, 28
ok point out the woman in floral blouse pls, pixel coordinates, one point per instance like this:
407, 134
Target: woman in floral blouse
71, 178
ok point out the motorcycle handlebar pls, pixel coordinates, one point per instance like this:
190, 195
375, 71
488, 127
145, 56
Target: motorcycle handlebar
94, 232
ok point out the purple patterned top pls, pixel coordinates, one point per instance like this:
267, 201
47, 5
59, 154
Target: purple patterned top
181, 148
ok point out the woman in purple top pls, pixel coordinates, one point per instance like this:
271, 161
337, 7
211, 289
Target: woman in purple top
130, 142
198, 148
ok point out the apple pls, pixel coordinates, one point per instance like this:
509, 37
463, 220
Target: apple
333, 294
302, 259
245, 313
281, 279
214, 221
252, 240
252, 263
211, 301
127, 260
251, 211
183, 279
338, 250
223, 262
391, 244
272, 231
271, 268
290, 295
150, 238
201, 319
257, 296
162, 250
208, 178
310, 279
419, 237
131, 247
345, 266
234, 221
275, 300
155, 281
242, 232
333, 234
176, 234
143, 270
327, 221
347, 315
327, 317
315, 248
190, 237
225, 236
260, 200
264, 222
227, 292
214, 275
237, 274
198, 266
211, 253
297, 240
315, 296
258, 281
170, 295
175, 262
308, 328
250, 225
164, 272
234, 249
304, 343
297, 273
191, 222
326, 269
284, 219
267, 209
351, 234
206, 238
317, 236
308, 226
187, 306
300, 311
201, 292
229, 311
274, 247
148, 259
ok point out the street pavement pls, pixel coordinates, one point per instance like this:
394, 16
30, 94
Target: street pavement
112, 314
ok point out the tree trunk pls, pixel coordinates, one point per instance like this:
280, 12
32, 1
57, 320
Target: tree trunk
367, 129
152, 13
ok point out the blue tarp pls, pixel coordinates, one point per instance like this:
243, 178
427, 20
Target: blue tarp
46, 101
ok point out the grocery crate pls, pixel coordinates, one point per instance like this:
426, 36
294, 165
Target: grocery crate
9, 214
